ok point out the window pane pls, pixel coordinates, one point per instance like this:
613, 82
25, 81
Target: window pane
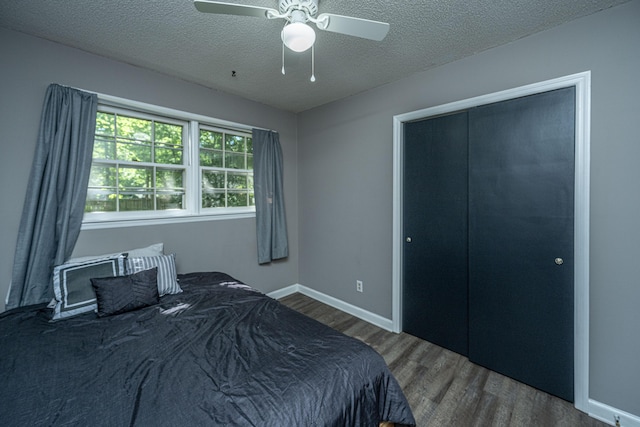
251, 195
101, 193
237, 180
168, 143
104, 148
133, 152
249, 145
100, 200
211, 158
133, 129
237, 199
249, 161
168, 200
102, 176
234, 160
168, 155
136, 201
169, 179
168, 134
210, 139
212, 179
234, 143
213, 200
135, 179
170, 189
105, 124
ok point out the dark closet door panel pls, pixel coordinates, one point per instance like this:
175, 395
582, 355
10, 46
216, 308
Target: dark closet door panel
521, 183
435, 218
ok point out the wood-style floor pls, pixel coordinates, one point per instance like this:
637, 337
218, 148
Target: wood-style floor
444, 388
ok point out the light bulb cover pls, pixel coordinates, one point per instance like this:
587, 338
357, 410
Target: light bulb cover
298, 36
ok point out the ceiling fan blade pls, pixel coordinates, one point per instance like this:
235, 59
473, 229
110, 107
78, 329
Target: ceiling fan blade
373, 30
232, 9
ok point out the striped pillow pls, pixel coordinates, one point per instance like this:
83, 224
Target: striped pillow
167, 277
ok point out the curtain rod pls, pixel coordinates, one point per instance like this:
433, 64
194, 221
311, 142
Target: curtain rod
124, 102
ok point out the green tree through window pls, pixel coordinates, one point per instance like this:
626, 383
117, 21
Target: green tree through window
140, 166
226, 160
137, 165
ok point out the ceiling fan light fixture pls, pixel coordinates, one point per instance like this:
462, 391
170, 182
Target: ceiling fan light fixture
298, 36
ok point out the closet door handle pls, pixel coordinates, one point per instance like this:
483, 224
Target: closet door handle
408, 239
559, 261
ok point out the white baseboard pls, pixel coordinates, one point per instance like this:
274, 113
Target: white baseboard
608, 414
358, 312
281, 293
597, 410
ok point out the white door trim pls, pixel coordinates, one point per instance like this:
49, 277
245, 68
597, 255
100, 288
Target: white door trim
582, 83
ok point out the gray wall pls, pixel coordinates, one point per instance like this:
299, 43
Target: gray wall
30, 64
345, 182
338, 201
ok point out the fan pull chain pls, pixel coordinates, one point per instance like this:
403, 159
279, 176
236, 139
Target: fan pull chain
283, 58
313, 64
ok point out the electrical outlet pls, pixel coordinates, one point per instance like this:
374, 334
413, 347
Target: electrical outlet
359, 285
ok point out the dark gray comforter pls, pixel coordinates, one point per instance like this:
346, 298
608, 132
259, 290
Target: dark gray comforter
217, 354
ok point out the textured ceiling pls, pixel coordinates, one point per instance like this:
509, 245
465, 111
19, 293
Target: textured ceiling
172, 37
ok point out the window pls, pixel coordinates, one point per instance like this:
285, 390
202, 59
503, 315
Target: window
138, 164
149, 166
226, 162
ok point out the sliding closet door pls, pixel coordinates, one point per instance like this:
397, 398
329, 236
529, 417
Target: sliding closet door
521, 204
435, 229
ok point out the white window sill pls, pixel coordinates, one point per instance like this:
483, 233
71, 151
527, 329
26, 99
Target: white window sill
140, 222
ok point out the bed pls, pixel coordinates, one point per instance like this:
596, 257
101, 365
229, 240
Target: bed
217, 353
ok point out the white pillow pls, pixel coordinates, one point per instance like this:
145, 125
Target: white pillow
156, 249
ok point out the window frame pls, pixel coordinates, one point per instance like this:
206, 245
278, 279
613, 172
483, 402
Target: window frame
224, 132
193, 212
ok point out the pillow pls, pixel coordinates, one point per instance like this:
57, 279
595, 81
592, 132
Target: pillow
117, 295
167, 277
72, 289
151, 250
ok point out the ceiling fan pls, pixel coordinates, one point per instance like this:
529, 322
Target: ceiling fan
297, 35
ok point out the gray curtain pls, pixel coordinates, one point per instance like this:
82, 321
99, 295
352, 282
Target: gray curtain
54, 204
271, 224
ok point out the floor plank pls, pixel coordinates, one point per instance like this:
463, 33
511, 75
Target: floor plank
444, 388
